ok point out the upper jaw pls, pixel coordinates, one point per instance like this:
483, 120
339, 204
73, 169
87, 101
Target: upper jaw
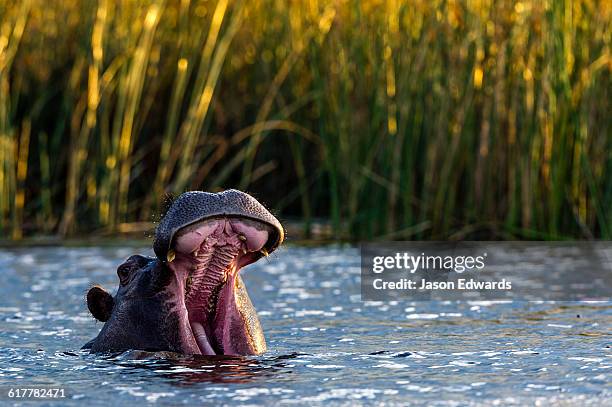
197, 206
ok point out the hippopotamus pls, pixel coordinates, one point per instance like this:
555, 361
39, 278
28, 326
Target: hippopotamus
190, 298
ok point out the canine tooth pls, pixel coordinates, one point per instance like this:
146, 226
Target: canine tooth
264, 252
170, 256
242, 237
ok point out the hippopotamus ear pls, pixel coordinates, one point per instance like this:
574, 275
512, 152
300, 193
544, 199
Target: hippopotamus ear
100, 303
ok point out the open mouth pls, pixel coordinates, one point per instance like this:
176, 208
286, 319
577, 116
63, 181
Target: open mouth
207, 257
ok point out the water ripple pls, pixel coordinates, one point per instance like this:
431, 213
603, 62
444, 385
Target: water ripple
326, 346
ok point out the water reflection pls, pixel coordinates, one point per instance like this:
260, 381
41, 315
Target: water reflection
185, 370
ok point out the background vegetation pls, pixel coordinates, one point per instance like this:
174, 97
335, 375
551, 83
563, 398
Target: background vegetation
390, 119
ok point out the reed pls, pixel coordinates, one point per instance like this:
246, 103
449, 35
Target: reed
391, 119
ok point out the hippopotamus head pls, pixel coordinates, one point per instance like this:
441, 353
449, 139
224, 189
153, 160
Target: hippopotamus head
190, 298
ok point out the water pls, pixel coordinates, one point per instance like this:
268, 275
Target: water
326, 347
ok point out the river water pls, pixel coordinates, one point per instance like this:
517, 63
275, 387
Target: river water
326, 346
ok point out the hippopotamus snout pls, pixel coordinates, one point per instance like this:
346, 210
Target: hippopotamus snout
191, 298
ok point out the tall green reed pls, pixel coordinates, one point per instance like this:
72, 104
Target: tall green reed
392, 119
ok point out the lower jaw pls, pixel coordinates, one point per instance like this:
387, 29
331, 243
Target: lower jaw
212, 252
203, 323
202, 320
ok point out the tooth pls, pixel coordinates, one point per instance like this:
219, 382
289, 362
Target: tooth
202, 339
170, 256
264, 252
242, 237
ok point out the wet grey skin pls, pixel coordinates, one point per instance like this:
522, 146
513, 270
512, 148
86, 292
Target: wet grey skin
190, 298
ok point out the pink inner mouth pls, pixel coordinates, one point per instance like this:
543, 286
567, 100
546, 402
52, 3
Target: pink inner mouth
209, 255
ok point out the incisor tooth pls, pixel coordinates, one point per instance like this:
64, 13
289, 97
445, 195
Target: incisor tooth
242, 237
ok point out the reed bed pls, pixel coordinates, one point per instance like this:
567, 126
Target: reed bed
423, 119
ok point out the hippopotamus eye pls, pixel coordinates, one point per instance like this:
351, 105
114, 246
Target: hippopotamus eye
123, 271
133, 263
